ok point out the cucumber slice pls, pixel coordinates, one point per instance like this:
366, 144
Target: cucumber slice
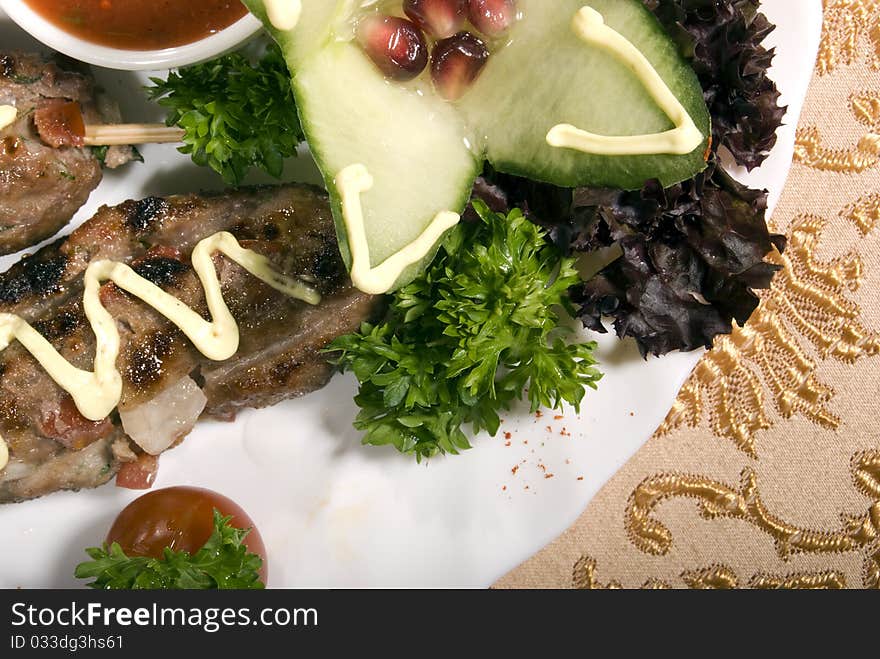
424, 153
412, 142
573, 83
412, 145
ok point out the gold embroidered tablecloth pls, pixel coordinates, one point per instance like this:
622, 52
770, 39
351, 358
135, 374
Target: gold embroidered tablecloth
766, 473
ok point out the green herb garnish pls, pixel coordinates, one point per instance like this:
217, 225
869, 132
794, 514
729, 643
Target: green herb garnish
100, 153
467, 338
223, 563
236, 115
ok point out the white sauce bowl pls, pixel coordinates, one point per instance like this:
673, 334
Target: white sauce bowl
55, 38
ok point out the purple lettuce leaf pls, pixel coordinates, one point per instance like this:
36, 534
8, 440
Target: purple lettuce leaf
723, 39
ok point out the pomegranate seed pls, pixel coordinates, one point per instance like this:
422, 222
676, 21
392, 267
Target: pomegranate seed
492, 17
456, 62
395, 45
439, 18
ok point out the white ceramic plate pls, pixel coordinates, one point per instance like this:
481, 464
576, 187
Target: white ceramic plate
336, 514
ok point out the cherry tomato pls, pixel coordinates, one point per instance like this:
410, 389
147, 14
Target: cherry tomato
182, 519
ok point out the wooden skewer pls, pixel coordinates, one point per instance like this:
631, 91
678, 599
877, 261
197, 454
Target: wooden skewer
124, 134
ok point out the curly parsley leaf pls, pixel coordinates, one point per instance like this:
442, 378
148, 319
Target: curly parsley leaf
236, 115
223, 563
468, 338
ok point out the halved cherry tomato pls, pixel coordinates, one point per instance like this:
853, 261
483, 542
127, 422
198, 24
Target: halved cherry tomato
182, 519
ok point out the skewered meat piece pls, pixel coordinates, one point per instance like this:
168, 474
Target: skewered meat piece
42, 187
167, 383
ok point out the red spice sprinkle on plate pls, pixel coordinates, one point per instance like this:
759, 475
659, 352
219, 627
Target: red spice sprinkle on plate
539, 414
559, 417
548, 475
507, 435
514, 470
580, 478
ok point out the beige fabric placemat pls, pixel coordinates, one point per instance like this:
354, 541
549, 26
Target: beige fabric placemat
766, 473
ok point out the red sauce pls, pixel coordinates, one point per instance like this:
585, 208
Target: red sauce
140, 24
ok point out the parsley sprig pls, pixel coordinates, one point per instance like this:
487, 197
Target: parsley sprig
222, 563
467, 338
236, 115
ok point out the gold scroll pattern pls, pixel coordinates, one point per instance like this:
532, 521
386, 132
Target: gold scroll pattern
810, 148
849, 24
857, 532
850, 27
714, 577
715, 499
808, 303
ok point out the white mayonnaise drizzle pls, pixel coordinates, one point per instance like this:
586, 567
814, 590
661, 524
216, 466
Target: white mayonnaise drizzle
590, 26
283, 14
353, 181
96, 393
8, 114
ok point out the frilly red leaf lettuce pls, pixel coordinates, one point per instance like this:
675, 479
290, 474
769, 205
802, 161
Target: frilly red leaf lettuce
693, 255
722, 39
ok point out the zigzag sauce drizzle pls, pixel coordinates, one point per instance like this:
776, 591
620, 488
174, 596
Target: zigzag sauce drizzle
96, 393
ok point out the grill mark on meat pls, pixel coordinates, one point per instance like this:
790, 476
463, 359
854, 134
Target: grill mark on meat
162, 271
280, 372
36, 276
143, 213
281, 337
7, 66
325, 267
11, 418
63, 325
146, 360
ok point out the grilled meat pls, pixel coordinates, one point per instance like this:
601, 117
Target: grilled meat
167, 382
42, 187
